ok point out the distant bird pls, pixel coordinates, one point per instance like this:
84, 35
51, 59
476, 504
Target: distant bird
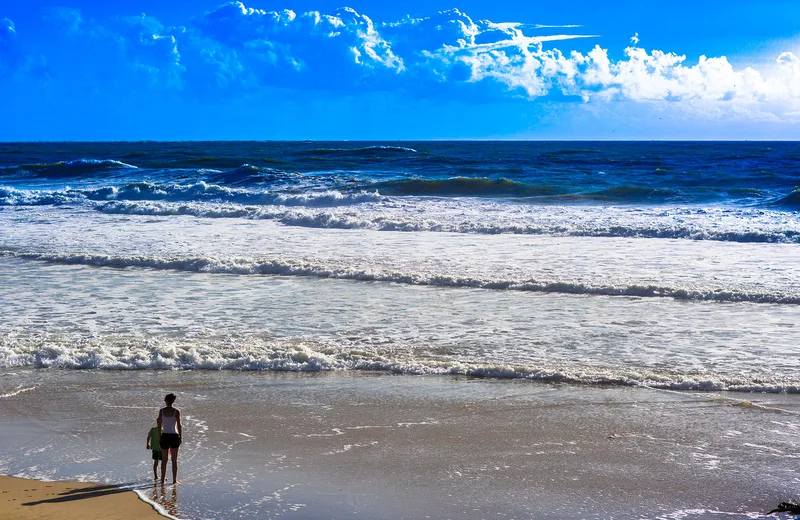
786, 507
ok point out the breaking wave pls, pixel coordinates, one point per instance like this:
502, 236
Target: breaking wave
465, 187
363, 150
296, 355
323, 269
249, 175
791, 201
74, 168
486, 187
669, 229
200, 191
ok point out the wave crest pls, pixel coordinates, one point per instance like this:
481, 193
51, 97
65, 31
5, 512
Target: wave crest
409, 223
197, 192
487, 187
363, 150
465, 187
249, 175
73, 168
321, 269
256, 353
791, 201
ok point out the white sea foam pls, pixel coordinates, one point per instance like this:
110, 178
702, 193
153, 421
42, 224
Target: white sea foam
158, 507
256, 354
18, 390
393, 214
373, 211
528, 315
338, 270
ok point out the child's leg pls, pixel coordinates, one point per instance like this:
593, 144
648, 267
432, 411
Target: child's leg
155, 469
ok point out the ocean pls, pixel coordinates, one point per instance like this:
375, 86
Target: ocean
604, 268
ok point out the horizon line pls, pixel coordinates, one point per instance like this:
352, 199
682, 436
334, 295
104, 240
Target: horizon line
451, 140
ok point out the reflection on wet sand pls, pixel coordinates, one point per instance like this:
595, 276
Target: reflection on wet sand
166, 497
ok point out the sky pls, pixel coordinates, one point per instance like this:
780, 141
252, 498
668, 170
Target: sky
417, 69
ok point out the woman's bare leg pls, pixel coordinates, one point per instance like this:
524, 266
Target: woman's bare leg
164, 456
174, 465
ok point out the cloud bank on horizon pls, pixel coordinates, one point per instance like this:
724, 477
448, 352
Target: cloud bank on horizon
235, 49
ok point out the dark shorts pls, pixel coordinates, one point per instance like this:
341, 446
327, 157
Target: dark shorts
170, 440
156, 454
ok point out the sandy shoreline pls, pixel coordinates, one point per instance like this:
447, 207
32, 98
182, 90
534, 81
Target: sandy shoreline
361, 446
25, 499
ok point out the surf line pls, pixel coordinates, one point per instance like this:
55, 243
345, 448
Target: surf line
17, 391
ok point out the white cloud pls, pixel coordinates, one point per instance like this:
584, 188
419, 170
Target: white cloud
152, 50
712, 85
239, 47
313, 38
540, 26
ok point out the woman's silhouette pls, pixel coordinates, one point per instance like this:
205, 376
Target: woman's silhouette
169, 424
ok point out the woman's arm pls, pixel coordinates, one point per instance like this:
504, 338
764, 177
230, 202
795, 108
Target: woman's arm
180, 425
158, 421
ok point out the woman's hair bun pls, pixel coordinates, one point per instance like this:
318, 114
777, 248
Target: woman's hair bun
169, 399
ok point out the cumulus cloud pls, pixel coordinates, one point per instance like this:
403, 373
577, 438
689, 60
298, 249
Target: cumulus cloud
283, 48
152, 50
239, 47
308, 38
653, 76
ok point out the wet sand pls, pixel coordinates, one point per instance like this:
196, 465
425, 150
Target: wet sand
23, 499
333, 445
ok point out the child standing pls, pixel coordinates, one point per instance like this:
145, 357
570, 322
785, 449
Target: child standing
153, 443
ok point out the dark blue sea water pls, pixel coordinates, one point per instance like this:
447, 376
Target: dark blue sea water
745, 174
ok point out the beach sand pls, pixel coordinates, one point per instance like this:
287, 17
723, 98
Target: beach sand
24, 499
333, 445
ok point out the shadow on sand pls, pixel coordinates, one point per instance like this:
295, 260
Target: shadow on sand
89, 492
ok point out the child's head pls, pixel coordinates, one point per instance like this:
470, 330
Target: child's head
169, 399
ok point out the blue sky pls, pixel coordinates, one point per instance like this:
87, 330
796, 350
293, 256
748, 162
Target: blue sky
319, 69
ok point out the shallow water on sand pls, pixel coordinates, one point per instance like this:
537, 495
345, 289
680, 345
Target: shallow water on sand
267, 445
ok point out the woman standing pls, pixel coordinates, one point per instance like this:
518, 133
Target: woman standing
169, 423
